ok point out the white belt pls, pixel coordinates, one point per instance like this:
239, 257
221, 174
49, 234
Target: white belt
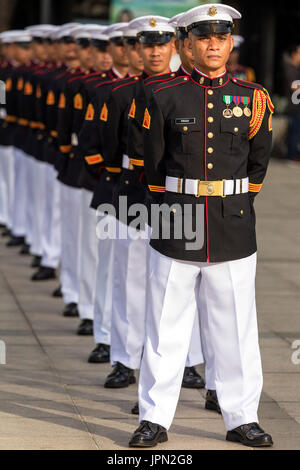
126, 163
74, 140
3, 113
199, 188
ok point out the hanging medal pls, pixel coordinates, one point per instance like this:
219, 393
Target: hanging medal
227, 113
237, 111
247, 111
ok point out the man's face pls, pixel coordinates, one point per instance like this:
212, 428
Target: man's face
118, 54
102, 60
85, 57
135, 60
23, 55
68, 51
39, 51
211, 51
157, 57
185, 53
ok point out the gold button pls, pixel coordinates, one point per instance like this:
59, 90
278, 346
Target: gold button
185, 79
210, 166
210, 135
126, 182
210, 119
72, 155
103, 75
136, 78
210, 92
185, 128
242, 212
210, 150
210, 106
236, 129
108, 178
172, 74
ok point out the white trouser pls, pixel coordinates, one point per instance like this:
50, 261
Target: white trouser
70, 199
225, 293
6, 184
129, 298
88, 260
51, 237
104, 289
30, 166
20, 194
130, 288
39, 199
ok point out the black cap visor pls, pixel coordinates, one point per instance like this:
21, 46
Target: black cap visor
118, 41
182, 34
155, 37
83, 42
67, 40
210, 27
131, 41
99, 44
24, 45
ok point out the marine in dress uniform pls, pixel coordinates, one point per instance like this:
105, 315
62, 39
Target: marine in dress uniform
130, 272
90, 142
207, 143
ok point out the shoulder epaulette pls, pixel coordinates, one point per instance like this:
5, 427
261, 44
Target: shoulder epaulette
171, 83
125, 82
159, 78
252, 85
256, 86
73, 79
105, 83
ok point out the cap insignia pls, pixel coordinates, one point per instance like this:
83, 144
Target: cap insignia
212, 11
152, 22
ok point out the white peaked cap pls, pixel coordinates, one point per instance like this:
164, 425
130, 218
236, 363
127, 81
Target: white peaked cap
116, 30
175, 20
152, 24
15, 36
209, 12
238, 41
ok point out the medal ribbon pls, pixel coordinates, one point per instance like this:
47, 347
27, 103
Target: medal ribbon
227, 99
246, 100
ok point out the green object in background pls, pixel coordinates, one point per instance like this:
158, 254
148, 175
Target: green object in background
125, 10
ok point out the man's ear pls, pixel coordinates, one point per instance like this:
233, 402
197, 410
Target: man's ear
232, 43
189, 43
174, 48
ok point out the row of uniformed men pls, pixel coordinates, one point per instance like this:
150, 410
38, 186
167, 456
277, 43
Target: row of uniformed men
58, 80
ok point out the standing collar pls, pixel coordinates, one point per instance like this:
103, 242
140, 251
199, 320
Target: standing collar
206, 81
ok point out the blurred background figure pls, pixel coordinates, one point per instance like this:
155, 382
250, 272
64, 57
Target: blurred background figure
234, 67
292, 93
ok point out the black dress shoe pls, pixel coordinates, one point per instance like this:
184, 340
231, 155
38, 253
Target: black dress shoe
86, 328
135, 410
36, 262
57, 293
192, 379
121, 377
25, 250
6, 233
212, 402
100, 355
251, 435
44, 274
15, 241
148, 435
71, 311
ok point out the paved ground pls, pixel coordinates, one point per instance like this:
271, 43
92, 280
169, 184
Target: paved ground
50, 398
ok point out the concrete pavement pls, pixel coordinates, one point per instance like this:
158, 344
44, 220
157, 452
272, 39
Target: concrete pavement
50, 398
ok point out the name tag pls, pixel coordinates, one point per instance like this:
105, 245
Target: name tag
185, 121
